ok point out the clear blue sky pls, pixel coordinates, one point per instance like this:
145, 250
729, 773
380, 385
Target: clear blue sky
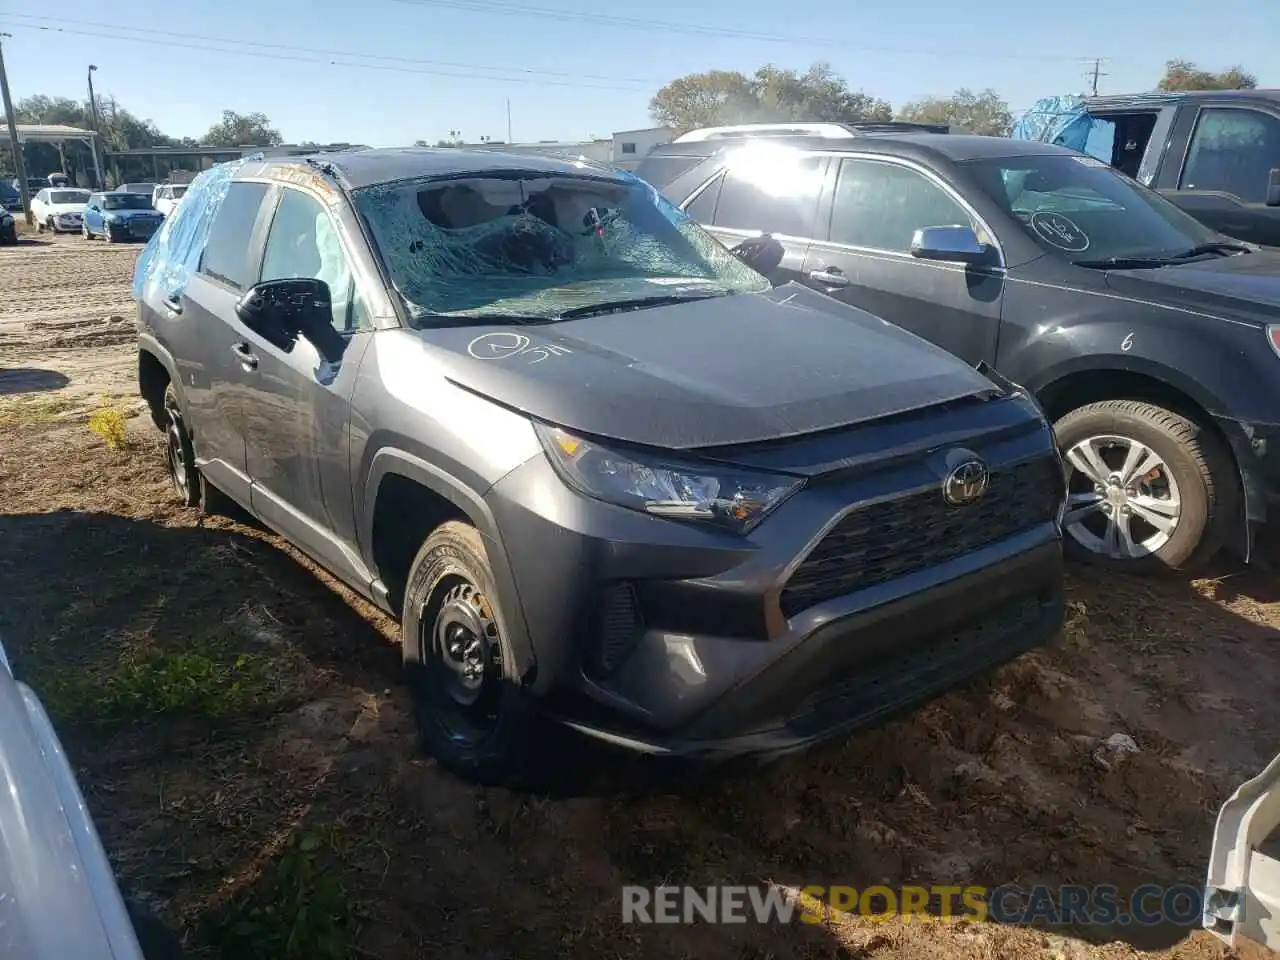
574, 68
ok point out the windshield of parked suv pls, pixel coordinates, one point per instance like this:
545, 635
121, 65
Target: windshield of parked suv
1087, 211
525, 246
68, 196
126, 201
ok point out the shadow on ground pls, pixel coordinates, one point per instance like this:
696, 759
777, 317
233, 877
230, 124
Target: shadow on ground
28, 380
245, 746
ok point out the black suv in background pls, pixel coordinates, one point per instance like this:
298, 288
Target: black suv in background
591, 460
1150, 340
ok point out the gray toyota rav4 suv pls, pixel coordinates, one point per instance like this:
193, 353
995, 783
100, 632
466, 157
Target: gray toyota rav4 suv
601, 471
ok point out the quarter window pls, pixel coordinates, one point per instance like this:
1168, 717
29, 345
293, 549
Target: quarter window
1233, 150
226, 252
880, 206
303, 242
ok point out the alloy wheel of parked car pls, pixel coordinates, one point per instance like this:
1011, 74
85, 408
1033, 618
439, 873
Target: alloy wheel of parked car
183, 475
1146, 488
84, 231
470, 713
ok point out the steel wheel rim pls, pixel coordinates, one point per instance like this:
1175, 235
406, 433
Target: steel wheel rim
1123, 501
177, 461
460, 644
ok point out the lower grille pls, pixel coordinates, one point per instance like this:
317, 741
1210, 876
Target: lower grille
617, 626
893, 538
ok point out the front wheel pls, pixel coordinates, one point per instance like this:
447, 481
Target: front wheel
84, 231
1147, 489
470, 711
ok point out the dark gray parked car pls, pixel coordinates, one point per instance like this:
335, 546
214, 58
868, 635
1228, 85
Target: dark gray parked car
595, 463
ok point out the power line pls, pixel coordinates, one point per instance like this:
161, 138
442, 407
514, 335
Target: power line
324, 52
503, 8
236, 51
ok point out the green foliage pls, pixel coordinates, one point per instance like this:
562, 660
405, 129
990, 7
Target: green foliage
720, 97
983, 113
297, 911
240, 130
1184, 75
200, 681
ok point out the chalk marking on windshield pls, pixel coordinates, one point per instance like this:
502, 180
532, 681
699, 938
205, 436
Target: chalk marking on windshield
505, 345
1127, 342
1060, 231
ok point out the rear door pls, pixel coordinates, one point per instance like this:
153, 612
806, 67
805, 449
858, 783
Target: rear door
202, 332
777, 195
863, 256
1217, 168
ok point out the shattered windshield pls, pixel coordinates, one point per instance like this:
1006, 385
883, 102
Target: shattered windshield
529, 246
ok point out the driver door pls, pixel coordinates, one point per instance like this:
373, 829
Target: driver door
297, 436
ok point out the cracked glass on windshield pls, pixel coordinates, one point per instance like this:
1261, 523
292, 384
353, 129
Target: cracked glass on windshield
531, 246
1086, 210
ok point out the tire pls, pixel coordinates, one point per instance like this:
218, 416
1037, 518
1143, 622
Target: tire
493, 741
84, 231
1188, 464
179, 454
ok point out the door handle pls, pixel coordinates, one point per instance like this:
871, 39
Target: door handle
830, 277
173, 303
245, 356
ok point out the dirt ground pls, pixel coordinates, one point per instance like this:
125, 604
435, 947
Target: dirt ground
241, 737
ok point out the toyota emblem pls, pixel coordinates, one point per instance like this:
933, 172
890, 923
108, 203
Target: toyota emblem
966, 483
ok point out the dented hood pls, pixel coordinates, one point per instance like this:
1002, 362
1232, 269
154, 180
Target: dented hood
726, 370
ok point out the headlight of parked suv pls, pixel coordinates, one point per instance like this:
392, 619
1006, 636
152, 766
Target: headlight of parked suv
728, 497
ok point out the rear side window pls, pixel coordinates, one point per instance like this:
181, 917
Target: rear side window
773, 197
226, 252
663, 171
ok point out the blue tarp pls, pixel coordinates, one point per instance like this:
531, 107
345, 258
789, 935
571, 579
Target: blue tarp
173, 252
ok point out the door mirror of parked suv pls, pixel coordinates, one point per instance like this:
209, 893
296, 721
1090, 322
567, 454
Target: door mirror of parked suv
949, 244
762, 254
280, 311
1273, 187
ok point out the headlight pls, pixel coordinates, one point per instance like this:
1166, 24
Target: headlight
729, 497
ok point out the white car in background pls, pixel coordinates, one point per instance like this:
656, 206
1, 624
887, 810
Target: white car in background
59, 209
167, 195
58, 896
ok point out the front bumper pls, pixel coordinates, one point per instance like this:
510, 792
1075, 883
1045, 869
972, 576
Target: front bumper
132, 229
670, 638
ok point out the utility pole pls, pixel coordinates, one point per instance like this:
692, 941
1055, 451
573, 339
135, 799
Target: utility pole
1093, 75
97, 131
19, 164
509, 140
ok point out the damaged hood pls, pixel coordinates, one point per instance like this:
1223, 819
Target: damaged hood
724, 370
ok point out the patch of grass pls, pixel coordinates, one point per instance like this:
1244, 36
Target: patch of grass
198, 681
299, 910
109, 422
27, 410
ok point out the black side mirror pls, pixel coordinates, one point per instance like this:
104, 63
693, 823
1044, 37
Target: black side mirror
1273, 187
762, 254
280, 311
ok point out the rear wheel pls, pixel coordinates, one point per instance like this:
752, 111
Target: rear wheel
180, 457
470, 711
1147, 489
84, 231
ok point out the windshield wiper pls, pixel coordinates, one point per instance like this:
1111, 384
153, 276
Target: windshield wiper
1138, 263
1216, 246
634, 303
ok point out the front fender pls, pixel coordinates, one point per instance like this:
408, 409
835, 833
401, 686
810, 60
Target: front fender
391, 460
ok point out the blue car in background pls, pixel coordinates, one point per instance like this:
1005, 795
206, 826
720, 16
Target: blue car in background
10, 198
120, 216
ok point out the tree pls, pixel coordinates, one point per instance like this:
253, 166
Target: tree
1184, 75
243, 130
982, 113
720, 97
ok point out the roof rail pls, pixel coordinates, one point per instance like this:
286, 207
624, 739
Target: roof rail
784, 129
